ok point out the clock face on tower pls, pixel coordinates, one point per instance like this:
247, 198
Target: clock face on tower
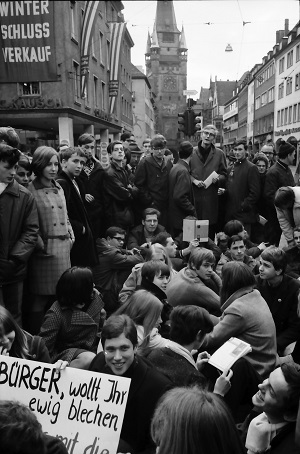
170, 83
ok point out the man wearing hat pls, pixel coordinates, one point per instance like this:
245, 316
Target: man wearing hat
135, 155
277, 176
152, 178
205, 159
180, 191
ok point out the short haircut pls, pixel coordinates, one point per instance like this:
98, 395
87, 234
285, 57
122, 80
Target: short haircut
85, 138
284, 197
20, 431
187, 321
146, 141
291, 372
41, 158
194, 421
235, 275
75, 286
112, 231
162, 238
24, 162
68, 152
276, 256
233, 227
111, 146
158, 141
241, 142
10, 136
9, 154
207, 127
150, 212
200, 255
116, 325
296, 229
185, 150
233, 239
125, 136
154, 268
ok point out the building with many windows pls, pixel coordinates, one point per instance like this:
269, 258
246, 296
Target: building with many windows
65, 70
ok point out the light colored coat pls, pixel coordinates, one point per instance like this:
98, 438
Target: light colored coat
288, 219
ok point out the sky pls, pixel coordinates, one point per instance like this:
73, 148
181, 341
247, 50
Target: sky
207, 42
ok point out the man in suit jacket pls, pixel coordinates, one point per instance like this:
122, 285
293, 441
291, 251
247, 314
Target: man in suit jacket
180, 190
83, 252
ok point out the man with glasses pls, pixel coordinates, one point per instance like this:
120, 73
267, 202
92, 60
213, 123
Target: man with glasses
206, 159
152, 178
268, 151
243, 189
92, 176
115, 265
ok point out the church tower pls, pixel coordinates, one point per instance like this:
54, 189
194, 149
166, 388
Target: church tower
166, 69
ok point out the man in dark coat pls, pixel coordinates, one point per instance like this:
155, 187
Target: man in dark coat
118, 192
205, 160
115, 265
152, 178
83, 252
243, 189
277, 176
119, 342
92, 176
141, 235
19, 228
180, 191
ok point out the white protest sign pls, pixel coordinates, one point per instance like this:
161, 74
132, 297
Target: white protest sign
83, 409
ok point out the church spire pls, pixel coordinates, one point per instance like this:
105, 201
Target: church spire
182, 42
148, 47
165, 17
154, 43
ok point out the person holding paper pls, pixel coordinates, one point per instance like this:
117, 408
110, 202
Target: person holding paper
245, 315
206, 160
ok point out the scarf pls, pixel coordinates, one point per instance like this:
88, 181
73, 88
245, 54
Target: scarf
181, 351
260, 434
88, 168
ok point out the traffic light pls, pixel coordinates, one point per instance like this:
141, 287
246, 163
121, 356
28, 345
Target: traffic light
191, 123
183, 122
199, 123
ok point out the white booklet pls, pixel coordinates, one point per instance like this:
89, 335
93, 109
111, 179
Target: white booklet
229, 353
209, 179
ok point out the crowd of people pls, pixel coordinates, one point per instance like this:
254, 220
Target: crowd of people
96, 273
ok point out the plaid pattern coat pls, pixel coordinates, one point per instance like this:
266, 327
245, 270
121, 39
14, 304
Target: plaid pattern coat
66, 330
52, 255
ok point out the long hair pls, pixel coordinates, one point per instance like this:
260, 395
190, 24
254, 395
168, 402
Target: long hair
144, 309
235, 275
194, 421
41, 158
75, 286
19, 348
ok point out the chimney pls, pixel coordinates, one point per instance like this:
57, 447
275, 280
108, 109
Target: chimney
286, 27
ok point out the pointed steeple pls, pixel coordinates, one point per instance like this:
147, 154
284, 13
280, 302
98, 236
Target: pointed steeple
148, 47
182, 42
154, 44
165, 17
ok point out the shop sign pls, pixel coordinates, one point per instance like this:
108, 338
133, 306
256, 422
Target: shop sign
113, 88
31, 103
286, 131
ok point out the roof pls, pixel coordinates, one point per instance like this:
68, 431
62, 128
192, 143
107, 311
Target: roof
225, 90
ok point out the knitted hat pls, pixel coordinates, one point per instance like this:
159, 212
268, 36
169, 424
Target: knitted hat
285, 149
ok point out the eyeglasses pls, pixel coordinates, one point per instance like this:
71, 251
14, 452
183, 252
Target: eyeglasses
118, 238
210, 134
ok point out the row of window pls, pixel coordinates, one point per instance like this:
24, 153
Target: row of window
264, 98
99, 98
265, 75
288, 115
289, 86
289, 59
126, 108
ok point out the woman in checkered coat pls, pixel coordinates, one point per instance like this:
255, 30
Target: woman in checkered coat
52, 254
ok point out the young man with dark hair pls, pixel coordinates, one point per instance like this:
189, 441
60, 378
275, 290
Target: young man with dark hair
119, 341
278, 175
180, 191
243, 189
236, 251
83, 252
152, 178
281, 294
115, 265
277, 401
117, 191
19, 228
140, 236
92, 177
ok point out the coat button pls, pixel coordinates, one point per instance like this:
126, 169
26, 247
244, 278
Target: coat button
62, 223
54, 224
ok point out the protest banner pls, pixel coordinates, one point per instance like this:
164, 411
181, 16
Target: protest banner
83, 409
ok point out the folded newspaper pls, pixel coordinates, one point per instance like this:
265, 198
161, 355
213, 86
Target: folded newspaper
229, 353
